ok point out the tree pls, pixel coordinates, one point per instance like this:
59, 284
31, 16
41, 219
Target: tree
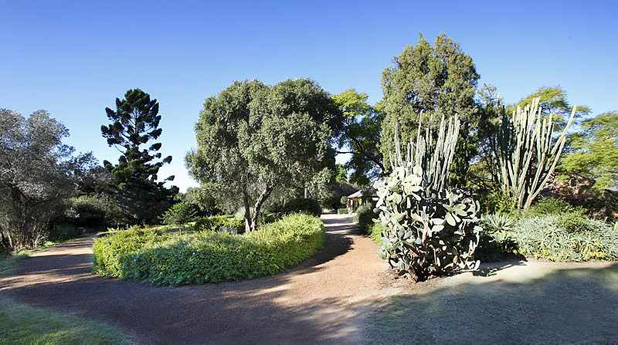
430, 82
592, 163
35, 176
135, 122
255, 139
361, 136
552, 101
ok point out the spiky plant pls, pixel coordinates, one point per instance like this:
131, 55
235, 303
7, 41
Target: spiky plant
429, 230
528, 152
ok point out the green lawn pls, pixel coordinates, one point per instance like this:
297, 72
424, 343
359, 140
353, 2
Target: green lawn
22, 324
8, 263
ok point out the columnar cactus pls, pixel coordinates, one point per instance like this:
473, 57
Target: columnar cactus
429, 230
528, 152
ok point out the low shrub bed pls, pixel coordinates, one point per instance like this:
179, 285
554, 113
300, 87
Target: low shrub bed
164, 257
364, 217
561, 236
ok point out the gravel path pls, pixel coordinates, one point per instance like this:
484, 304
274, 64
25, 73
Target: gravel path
324, 300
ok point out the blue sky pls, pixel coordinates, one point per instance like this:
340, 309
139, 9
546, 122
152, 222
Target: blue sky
73, 58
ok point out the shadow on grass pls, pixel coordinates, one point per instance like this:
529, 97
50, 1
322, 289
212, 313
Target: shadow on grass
555, 307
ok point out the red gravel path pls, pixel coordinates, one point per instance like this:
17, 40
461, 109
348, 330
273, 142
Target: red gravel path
322, 301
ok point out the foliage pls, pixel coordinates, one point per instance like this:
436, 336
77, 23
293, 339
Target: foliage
361, 136
166, 258
22, 324
527, 153
342, 211
228, 224
552, 206
497, 222
255, 139
553, 237
134, 123
302, 205
179, 214
364, 217
375, 233
202, 200
589, 168
35, 176
428, 230
431, 81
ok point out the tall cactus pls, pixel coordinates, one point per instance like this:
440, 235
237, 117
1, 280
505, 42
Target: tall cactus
528, 152
434, 157
429, 229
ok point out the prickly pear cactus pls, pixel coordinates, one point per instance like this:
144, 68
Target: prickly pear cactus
427, 232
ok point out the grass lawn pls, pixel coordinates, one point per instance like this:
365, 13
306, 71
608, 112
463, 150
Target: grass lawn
22, 324
519, 305
8, 263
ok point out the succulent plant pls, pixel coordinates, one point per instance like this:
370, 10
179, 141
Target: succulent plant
527, 152
429, 229
497, 222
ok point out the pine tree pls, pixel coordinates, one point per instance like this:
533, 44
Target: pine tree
134, 123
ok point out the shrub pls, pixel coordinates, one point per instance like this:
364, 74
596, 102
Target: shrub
342, 211
364, 217
546, 237
375, 233
303, 205
229, 224
162, 257
426, 232
497, 222
179, 214
547, 206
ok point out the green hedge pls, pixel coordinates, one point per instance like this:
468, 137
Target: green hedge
164, 257
342, 211
364, 217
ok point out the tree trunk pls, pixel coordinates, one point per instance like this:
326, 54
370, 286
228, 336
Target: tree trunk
258, 206
248, 219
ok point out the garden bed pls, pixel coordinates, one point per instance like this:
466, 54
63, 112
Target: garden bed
162, 256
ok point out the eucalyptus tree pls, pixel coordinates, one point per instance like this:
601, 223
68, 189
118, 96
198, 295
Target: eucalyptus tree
254, 139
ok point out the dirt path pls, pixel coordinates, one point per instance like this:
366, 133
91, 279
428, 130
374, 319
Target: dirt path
322, 301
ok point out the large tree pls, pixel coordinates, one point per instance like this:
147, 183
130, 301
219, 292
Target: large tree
35, 176
430, 82
361, 136
134, 125
254, 139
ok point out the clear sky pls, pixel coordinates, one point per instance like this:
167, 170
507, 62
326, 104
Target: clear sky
73, 58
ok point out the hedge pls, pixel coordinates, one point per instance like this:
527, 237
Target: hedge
164, 257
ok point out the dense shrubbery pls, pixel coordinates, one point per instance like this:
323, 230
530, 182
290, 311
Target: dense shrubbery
551, 229
164, 257
342, 211
229, 224
302, 205
375, 233
364, 217
551, 237
179, 214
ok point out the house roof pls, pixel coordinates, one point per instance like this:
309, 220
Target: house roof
357, 194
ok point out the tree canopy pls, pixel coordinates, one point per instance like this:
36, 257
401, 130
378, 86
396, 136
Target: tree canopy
254, 139
361, 136
430, 82
35, 176
134, 124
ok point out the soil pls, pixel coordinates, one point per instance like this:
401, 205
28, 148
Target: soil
324, 300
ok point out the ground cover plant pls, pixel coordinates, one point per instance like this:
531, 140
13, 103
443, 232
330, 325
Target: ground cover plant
165, 257
22, 324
